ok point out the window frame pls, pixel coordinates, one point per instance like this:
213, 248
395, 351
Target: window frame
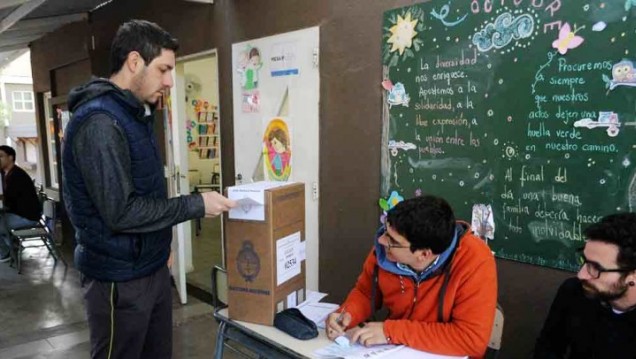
22, 101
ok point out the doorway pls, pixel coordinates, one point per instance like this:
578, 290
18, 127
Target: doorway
196, 146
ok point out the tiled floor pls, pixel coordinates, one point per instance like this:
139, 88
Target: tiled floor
42, 314
206, 252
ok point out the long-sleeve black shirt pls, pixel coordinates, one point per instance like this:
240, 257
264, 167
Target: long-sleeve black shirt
102, 154
19, 194
581, 328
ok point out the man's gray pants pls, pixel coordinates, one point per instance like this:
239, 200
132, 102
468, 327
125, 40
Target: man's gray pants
130, 320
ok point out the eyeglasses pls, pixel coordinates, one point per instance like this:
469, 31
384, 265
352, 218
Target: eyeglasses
594, 269
392, 243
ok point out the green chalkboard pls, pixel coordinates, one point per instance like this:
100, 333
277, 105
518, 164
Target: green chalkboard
526, 107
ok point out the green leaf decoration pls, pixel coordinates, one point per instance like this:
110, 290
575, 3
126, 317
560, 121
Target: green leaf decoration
383, 204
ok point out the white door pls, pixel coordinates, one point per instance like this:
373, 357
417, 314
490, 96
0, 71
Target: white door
177, 170
279, 76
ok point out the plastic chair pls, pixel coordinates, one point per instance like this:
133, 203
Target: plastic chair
24, 237
494, 344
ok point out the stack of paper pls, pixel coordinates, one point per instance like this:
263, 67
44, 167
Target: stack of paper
356, 351
317, 312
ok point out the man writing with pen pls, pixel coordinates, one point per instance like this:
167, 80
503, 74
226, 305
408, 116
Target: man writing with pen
437, 280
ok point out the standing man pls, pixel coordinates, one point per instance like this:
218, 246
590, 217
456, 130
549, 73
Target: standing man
594, 315
21, 204
437, 280
115, 194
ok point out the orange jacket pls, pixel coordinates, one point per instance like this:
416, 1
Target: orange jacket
469, 302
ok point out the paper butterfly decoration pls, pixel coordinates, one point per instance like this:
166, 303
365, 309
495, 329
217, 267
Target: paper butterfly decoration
567, 39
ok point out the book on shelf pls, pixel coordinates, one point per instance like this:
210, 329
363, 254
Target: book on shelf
207, 153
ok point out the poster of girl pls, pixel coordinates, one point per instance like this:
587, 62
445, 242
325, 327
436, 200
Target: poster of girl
277, 151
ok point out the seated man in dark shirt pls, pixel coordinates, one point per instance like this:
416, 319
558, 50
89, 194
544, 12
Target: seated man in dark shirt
594, 315
21, 204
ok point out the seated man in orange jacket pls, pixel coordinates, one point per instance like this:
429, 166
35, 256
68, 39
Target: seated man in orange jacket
437, 280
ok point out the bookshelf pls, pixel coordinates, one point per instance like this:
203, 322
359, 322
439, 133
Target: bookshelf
207, 128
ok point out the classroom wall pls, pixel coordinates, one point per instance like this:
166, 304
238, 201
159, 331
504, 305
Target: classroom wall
350, 129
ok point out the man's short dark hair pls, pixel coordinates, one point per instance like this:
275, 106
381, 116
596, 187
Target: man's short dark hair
8, 150
142, 36
426, 222
618, 229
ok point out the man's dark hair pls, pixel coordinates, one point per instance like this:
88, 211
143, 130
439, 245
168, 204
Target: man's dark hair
142, 36
8, 150
618, 229
426, 222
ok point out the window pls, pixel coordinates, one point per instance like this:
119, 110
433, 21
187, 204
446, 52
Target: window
22, 101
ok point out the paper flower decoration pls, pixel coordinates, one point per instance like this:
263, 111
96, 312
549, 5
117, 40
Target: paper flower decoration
402, 33
386, 205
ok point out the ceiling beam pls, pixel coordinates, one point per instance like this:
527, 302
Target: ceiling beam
50, 21
8, 41
24, 45
11, 3
19, 13
203, 1
40, 31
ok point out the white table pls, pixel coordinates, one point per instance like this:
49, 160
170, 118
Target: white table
269, 342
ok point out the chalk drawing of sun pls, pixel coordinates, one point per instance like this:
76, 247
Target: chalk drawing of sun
402, 33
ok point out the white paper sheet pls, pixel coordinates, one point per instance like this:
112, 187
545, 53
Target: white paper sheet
357, 351
251, 200
317, 312
313, 297
287, 258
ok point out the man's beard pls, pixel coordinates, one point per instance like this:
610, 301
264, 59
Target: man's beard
616, 291
138, 86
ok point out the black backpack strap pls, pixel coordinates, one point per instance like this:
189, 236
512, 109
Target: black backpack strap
442, 293
374, 292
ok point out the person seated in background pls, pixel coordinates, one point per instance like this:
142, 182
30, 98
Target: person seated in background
593, 315
437, 280
21, 204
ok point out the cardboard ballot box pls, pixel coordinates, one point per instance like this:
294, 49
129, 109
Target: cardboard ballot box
265, 250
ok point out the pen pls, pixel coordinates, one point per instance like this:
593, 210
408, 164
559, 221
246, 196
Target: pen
341, 316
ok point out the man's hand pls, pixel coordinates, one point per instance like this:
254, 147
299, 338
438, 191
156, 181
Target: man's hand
336, 324
171, 259
368, 334
216, 204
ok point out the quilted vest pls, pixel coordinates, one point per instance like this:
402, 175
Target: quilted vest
101, 253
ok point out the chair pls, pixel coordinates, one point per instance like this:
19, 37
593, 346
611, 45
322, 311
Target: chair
227, 336
494, 344
38, 233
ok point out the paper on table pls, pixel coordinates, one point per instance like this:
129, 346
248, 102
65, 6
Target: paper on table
317, 312
355, 351
406, 352
313, 297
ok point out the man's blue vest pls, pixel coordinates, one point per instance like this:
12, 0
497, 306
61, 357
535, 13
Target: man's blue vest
101, 253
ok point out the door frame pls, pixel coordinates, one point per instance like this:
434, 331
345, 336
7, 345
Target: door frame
179, 173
